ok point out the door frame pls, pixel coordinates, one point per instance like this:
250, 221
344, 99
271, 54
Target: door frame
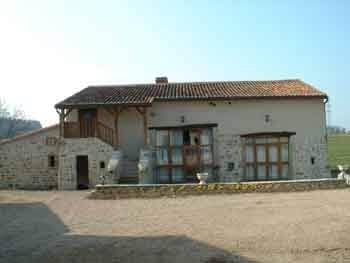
80, 183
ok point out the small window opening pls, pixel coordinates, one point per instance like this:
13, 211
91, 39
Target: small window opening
102, 165
312, 160
182, 119
230, 166
52, 161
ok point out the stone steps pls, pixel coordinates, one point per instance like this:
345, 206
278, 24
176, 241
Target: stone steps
129, 174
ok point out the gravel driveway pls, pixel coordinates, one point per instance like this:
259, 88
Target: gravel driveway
279, 227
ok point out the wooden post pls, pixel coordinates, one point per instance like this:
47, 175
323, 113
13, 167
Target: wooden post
63, 113
61, 121
145, 129
143, 112
116, 127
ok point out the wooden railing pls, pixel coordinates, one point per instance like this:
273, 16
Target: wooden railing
103, 132
71, 130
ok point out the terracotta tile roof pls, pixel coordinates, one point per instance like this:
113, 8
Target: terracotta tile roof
145, 94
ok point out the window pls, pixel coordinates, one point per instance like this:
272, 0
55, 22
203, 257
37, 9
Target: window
266, 157
162, 142
169, 156
174, 148
177, 175
51, 140
206, 145
52, 161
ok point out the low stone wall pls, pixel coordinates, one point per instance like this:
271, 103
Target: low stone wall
174, 190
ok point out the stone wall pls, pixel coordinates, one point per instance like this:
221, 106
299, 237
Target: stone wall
176, 190
96, 150
229, 150
305, 117
24, 160
229, 154
309, 158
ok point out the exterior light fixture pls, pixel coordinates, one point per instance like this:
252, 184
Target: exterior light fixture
182, 119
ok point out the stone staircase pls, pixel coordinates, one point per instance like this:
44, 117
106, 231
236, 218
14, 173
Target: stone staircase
129, 173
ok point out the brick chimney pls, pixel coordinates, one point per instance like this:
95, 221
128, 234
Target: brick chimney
161, 80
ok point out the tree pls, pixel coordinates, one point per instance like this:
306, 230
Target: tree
336, 130
14, 122
4, 112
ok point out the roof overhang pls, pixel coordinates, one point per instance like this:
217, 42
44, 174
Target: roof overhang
96, 105
274, 134
199, 125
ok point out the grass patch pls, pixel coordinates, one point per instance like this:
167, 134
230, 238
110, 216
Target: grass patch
338, 150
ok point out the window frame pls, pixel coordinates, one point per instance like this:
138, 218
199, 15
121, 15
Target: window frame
170, 148
254, 141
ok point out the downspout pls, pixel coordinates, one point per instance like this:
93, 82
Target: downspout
325, 117
326, 132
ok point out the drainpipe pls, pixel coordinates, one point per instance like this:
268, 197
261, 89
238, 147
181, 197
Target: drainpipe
326, 132
325, 117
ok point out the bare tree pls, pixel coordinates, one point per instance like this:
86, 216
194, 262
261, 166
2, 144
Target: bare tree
13, 121
4, 111
15, 118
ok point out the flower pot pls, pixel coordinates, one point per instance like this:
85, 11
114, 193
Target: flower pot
202, 177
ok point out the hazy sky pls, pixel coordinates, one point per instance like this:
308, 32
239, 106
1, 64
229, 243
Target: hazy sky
52, 49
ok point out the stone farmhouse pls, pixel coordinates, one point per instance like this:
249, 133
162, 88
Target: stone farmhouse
232, 130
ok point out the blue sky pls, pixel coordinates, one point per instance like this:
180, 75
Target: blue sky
51, 49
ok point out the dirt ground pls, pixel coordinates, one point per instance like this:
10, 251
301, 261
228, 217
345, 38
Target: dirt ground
279, 227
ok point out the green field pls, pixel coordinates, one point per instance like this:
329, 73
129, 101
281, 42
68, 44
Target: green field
338, 150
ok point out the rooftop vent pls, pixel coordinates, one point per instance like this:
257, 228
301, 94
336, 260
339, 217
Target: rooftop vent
161, 80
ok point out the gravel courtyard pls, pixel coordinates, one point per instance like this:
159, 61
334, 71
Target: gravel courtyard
279, 227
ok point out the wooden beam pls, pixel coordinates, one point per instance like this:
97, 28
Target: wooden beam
110, 111
143, 112
61, 121
116, 127
66, 112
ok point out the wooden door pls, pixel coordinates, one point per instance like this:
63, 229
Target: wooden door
87, 119
82, 172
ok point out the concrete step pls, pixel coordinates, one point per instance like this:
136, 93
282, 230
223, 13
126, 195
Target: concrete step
129, 173
128, 180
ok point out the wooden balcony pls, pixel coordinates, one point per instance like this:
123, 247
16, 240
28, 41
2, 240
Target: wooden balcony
105, 133
89, 124
71, 130
101, 131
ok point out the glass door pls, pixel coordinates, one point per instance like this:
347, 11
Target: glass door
183, 152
